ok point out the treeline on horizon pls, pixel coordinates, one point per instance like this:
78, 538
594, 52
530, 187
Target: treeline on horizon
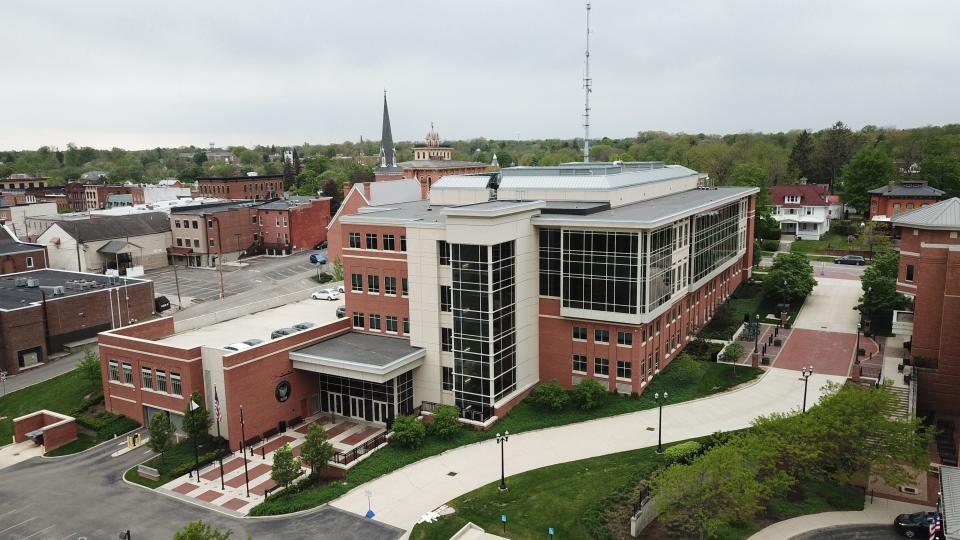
850, 161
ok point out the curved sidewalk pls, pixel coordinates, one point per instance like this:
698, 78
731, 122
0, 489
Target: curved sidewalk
401, 497
881, 511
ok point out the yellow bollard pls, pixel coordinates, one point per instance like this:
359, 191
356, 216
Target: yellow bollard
129, 442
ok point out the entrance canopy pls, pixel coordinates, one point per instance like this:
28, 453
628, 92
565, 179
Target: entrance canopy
367, 357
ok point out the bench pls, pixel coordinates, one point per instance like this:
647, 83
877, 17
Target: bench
148, 472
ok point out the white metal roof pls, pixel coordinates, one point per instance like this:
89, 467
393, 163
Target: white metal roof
943, 215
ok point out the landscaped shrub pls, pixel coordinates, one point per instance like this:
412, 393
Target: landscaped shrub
588, 394
550, 395
446, 421
205, 459
770, 245
733, 352
682, 453
324, 277
843, 228
408, 431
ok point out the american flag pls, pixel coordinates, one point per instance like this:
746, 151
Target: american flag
216, 403
935, 524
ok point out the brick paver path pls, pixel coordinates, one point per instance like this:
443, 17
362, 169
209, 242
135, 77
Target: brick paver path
185, 488
228, 467
360, 435
210, 496
274, 444
235, 504
238, 480
830, 353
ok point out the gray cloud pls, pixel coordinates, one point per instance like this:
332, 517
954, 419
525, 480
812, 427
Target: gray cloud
117, 73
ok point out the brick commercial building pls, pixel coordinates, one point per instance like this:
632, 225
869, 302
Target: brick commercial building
930, 274
17, 256
15, 216
500, 281
202, 233
23, 181
41, 310
364, 195
893, 199
294, 224
257, 188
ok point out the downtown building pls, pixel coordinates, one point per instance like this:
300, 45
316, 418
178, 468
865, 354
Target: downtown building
495, 283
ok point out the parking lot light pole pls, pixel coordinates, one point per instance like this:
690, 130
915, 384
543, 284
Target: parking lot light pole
502, 441
219, 252
660, 427
243, 453
807, 371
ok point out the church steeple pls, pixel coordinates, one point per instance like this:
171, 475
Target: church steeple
388, 156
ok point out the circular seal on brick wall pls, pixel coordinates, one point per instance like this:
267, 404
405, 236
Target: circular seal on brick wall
283, 391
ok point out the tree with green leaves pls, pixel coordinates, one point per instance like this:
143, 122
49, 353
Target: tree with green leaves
550, 395
286, 468
800, 164
790, 279
835, 148
338, 269
196, 421
880, 297
870, 168
750, 174
199, 157
316, 451
409, 431
89, 367
588, 394
446, 421
198, 530
161, 431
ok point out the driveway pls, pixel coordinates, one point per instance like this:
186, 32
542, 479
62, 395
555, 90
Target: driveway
84, 496
830, 306
401, 497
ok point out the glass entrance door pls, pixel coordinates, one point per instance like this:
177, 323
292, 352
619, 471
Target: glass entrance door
380, 412
335, 403
356, 407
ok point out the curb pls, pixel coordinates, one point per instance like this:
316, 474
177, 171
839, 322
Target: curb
94, 446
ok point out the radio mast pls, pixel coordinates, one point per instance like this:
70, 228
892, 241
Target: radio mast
587, 84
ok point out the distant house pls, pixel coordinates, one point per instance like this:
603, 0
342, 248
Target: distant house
892, 199
801, 210
17, 256
93, 176
96, 244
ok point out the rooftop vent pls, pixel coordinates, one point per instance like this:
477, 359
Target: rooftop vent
33, 283
21, 282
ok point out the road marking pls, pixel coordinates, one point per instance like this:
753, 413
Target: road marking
38, 532
19, 524
17, 510
71, 535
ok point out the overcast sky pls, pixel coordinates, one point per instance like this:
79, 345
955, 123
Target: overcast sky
172, 73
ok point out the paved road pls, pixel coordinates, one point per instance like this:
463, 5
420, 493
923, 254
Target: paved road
47, 371
84, 497
852, 532
831, 306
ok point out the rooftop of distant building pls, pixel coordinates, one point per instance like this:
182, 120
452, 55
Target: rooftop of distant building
22, 289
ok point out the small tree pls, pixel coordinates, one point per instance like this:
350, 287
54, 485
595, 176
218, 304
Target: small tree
550, 395
160, 432
316, 450
589, 394
790, 279
733, 352
198, 530
338, 269
408, 431
196, 422
89, 367
446, 421
682, 453
286, 468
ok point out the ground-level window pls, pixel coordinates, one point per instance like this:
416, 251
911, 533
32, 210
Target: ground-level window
624, 369
580, 363
374, 321
175, 384
406, 326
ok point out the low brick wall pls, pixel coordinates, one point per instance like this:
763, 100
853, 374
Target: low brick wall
58, 429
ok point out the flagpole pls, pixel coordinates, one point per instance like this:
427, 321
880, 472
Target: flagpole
216, 404
243, 452
196, 451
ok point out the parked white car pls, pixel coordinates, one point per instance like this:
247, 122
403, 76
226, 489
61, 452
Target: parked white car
326, 294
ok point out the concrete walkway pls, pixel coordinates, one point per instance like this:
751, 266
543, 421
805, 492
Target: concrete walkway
831, 306
881, 511
401, 497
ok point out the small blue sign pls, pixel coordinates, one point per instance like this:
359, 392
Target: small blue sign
550, 531
503, 518
369, 514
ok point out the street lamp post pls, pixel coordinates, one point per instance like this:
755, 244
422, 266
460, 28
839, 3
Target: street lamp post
857, 351
243, 453
756, 334
660, 426
502, 440
807, 372
219, 252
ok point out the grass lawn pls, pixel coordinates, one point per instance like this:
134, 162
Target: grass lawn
684, 379
62, 394
749, 299
178, 456
832, 240
559, 496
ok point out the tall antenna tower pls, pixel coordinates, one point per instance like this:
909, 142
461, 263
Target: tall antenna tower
587, 84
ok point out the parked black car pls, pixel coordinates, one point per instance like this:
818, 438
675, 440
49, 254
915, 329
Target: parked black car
916, 525
342, 311
161, 303
851, 259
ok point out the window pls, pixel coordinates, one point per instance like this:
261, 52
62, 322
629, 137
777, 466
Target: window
161, 380
447, 374
176, 223
443, 249
147, 376
601, 366
624, 369
114, 371
446, 339
792, 199
600, 270
580, 333
601, 336
550, 262
624, 338
354, 238
358, 320
390, 285
373, 284
371, 241
656, 360
29, 262
175, 388
211, 242
403, 243
209, 223
808, 211
127, 373
374, 321
404, 287
391, 324
444, 298
356, 282
180, 241
196, 242
389, 242
255, 220
909, 272
579, 363
406, 326
196, 224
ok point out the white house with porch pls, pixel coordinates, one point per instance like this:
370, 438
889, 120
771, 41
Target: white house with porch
801, 210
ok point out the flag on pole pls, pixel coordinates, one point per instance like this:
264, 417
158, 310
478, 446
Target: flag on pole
216, 403
935, 524
193, 405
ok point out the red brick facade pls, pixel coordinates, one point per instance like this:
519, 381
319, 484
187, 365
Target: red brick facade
297, 228
882, 205
258, 188
930, 272
354, 200
23, 261
428, 176
382, 264
57, 431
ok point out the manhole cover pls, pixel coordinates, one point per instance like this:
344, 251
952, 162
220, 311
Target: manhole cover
651, 429
452, 473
